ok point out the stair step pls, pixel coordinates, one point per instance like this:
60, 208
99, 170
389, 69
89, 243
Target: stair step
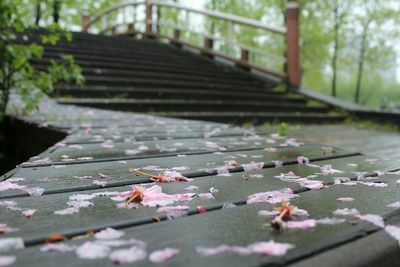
107, 73
159, 68
158, 105
170, 83
256, 117
130, 92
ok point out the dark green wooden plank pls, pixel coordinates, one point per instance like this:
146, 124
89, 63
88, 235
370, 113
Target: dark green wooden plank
93, 152
232, 190
147, 133
378, 249
241, 226
67, 177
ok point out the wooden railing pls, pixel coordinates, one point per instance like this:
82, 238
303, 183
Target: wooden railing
143, 12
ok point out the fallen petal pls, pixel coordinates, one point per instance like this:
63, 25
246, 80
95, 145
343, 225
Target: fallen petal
346, 212
90, 250
11, 243
163, 255
6, 260
372, 218
270, 248
128, 255
306, 224
58, 247
109, 233
393, 231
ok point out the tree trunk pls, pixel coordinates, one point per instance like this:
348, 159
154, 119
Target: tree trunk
38, 12
213, 8
56, 10
335, 50
361, 63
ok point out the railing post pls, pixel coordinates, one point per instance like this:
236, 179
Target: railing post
244, 59
149, 18
85, 18
131, 28
292, 42
244, 55
176, 35
208, 45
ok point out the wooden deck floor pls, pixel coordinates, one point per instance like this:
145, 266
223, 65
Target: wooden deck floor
370, 141
79, 181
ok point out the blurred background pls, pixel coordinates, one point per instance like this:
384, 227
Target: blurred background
346, 45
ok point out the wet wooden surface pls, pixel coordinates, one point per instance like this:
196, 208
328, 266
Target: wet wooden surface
96, 151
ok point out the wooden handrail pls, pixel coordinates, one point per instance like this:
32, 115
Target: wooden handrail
108, 11
219, 15
291, 60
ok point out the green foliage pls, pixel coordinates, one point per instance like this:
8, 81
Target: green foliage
282, 129
16, 70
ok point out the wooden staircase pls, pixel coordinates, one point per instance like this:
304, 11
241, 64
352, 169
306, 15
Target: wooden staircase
144, 75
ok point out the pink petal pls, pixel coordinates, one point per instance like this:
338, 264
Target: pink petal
278, 163
163, 255
9, 204
109, 233
242, 251
346, 212
183, 197
5, 229
130, 255
223, 171
28, 213
253, 166
10, 244
272, 197
300, 212
155, 200
131, 205
327, 169
312, 184
206, 196
345, 199
267, 213
372, 184
301, 224
172, 209
175, 176
101, 175
34, 191
393, 231
6, 260
15, 179
100, 183
180, 168
289, 175
372, 218
330, 221
303, 160
67, 211
395, 205
264, 248
80, 203
90, 250
59, 247
270, 248
153, 168
212, 250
